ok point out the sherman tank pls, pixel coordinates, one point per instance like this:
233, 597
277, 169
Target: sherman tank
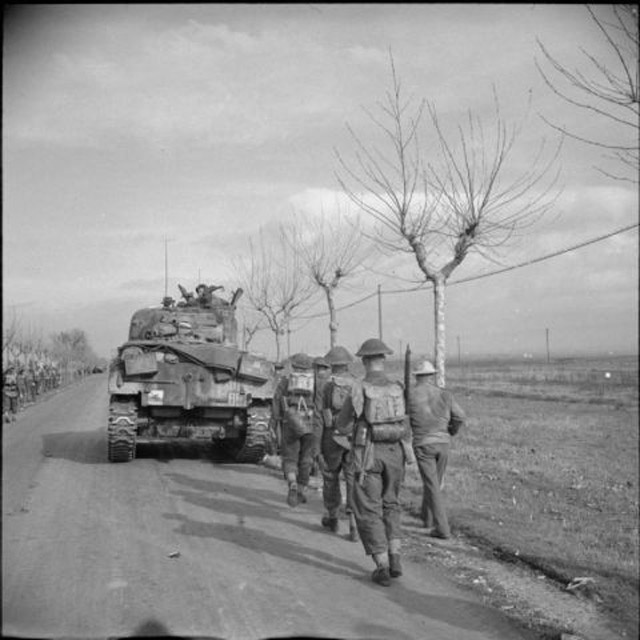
182, 377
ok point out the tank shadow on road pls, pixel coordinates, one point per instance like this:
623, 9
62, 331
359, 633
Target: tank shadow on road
90, 447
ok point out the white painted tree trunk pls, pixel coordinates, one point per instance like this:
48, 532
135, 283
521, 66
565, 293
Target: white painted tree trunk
439, 285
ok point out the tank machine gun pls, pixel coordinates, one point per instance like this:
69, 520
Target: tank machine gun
182, 376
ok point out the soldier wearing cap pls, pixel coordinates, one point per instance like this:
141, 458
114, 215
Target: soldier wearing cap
293, 408
375, 415
335, 449
435, 416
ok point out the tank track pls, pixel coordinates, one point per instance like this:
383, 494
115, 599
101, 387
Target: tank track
121, 429
259, 437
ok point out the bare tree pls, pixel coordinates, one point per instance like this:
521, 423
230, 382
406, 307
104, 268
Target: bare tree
274, 282
439, 212
332, 249
606, 90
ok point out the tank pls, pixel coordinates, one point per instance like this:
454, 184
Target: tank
181, 377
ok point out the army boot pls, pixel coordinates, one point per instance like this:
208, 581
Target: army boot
292, 495
302, 493
381, 573
330, 522
395, 566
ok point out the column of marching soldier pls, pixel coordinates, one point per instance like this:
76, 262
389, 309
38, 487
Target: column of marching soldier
22, 385
368, 432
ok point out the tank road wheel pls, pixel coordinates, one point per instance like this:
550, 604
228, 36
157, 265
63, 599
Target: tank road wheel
259, 436
121, 430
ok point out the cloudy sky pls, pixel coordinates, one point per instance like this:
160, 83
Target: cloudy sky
127, 124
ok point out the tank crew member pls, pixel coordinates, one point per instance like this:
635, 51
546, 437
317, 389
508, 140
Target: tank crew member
335, 449
375, 415
205, 295
293, 408
189, 298
322, 371
435, 416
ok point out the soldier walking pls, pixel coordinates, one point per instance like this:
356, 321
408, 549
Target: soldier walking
322, 372
435, 416
10, 394
293, 408
334, 448
375, 416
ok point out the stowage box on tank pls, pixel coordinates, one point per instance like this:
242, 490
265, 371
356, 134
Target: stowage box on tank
181, 376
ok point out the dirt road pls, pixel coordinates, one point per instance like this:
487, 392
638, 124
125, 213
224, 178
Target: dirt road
179, 544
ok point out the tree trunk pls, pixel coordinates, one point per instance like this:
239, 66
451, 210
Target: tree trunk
439, 285
333, 323
277, 335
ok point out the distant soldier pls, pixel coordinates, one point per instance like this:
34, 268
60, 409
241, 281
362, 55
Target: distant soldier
435, 416
375, 418
10, 394
336, 450
22, 387
293, 408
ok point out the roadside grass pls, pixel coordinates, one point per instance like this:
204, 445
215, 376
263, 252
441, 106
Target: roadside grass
550, 480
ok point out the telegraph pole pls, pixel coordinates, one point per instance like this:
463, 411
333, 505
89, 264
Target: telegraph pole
458, 340
379, 313
548, 353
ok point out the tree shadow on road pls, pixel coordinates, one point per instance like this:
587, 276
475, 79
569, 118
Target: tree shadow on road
256, 540
221, 497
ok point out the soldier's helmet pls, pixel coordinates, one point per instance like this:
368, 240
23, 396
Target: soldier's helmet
301, 361
201, 287
425, 369
321, 362
338, 355
373, 347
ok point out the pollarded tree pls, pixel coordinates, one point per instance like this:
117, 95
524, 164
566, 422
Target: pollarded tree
466, 199
607, 87
332, 249
274, 281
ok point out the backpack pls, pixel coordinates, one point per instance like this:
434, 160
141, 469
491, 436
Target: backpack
340, 388
299, 402
384, 410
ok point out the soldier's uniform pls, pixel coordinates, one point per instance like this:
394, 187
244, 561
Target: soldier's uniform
322, 371
336, 449
376, 412
435, 416
293, 408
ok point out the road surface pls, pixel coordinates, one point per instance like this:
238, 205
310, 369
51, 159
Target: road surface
175, 543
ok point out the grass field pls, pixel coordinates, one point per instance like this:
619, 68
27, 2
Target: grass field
546, 471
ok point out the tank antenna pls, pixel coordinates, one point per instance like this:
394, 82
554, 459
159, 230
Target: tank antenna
166, 269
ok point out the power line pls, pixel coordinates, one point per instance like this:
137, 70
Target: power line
428, 285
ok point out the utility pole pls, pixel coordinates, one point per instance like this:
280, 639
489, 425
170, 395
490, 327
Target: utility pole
548, 353
458, 340
379, 313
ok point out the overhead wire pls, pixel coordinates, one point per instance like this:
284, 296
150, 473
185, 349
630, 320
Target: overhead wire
428, 285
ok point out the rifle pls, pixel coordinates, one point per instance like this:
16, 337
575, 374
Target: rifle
406, 446
407, 375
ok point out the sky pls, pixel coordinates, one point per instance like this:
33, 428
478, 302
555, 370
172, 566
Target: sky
128, 124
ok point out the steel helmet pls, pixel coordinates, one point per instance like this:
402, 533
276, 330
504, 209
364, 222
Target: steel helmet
373, 347
425, 369
301, 361
321, 362
338, 355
